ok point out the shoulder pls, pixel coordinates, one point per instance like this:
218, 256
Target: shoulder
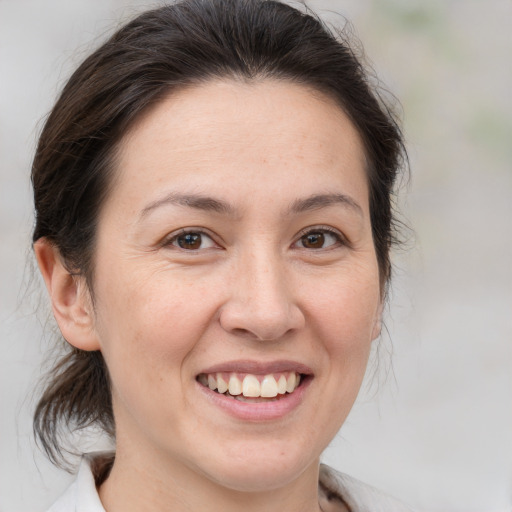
81, 495
358, 496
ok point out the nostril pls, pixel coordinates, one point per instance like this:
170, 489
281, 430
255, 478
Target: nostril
261, 318
260, 335
241, 332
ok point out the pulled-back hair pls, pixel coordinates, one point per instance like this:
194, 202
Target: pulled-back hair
162, 50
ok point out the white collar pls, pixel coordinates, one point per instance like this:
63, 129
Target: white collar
82, 495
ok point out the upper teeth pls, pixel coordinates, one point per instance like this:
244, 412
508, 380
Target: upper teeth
250, 385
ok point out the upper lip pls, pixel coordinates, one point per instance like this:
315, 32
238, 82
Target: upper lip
258, 367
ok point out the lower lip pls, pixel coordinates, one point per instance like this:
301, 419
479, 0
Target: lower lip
257, 412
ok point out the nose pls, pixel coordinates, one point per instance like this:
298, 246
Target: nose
262, 304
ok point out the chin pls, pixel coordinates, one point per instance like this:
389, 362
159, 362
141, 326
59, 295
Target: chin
253, 469
255, 479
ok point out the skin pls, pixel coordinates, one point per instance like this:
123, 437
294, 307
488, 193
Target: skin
253, 290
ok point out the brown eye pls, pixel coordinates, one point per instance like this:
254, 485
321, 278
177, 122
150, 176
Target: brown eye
313, 240
191, 241
319, 239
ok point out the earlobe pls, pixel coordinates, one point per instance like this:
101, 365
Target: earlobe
69, 297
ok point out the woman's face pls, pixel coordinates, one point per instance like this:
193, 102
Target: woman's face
236, 250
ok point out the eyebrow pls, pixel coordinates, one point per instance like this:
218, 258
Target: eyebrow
210, 204
319, 201
196, 201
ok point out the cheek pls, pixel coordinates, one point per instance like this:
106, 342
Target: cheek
343, 317
148, 330
152, 322
347, 308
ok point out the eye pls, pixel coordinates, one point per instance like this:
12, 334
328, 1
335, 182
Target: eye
319, 238
191, 240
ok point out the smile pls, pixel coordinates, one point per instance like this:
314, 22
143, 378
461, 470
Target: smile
251, 386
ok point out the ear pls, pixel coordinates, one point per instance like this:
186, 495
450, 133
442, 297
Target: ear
377, 326
71, 303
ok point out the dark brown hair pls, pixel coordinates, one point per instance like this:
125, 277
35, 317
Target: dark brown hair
188, 42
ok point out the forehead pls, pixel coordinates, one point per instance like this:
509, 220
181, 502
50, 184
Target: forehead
217, 134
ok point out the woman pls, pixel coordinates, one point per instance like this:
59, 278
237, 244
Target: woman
213, 224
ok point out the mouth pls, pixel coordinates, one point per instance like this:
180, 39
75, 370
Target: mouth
254, 391
251, 387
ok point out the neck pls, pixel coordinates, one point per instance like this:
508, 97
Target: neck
170, 486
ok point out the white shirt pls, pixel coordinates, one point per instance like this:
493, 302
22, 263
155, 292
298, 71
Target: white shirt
82, 496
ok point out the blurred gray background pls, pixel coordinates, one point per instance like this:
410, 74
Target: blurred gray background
435, 428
